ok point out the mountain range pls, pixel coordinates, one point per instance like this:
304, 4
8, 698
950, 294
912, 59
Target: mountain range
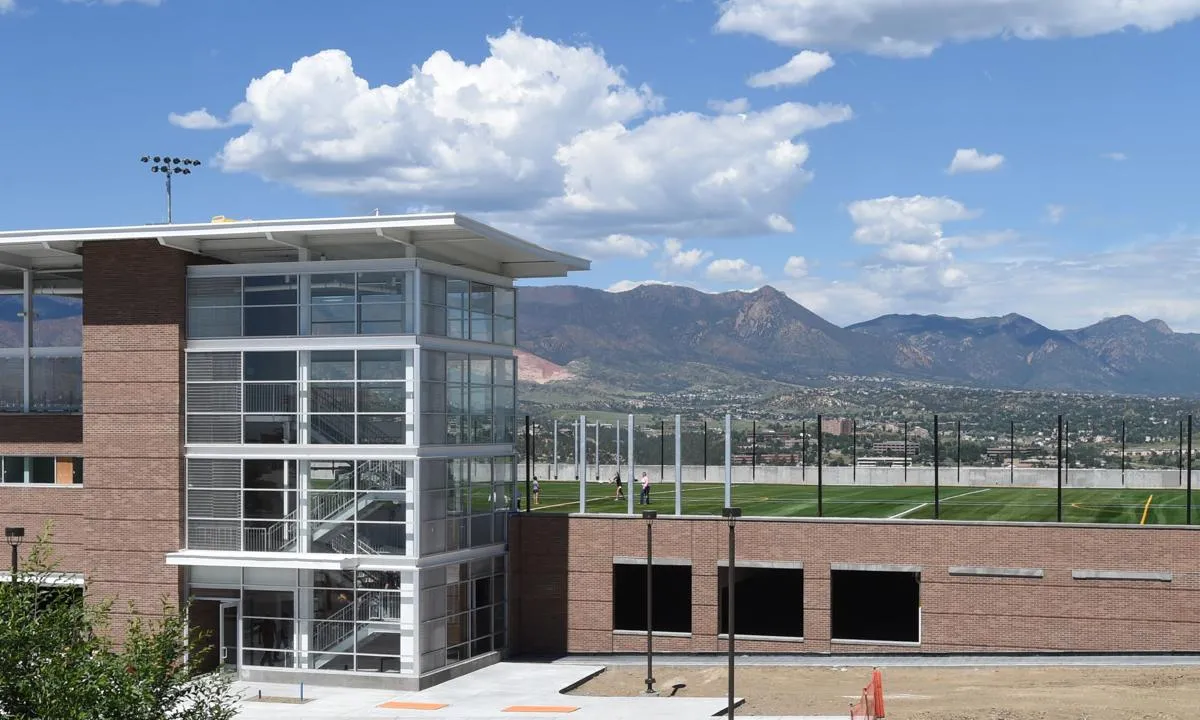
663, 338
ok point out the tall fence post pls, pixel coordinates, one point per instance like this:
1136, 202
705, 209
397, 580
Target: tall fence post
582, 456
958, 451
753, 449
678, 468
704, 444
1122, 451
728, 460
555, 460
662, 450
803, 452
854, 450
1012, 452
598, 478
632, 467
906, 451
937, 495
1059, 460
820, 465
528, 473
1189, 471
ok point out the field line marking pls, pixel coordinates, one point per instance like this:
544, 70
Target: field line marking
912, 510
1146, 510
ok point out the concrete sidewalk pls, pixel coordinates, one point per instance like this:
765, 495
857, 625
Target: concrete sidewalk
488, 694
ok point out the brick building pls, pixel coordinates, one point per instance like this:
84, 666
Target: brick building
304, 427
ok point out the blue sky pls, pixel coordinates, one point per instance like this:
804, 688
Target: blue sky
722, 145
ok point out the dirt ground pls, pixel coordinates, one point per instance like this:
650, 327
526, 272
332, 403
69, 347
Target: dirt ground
1012, 693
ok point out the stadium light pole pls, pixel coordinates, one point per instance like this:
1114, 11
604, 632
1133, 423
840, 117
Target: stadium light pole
1189, 470
937, 494
854, 450
753, 449
1060, 466
528, 475
648, 516
170, 166
803, 451
1012, 452
905, 451
958, 450
820, 468
1122, 451
731, 515
704, 443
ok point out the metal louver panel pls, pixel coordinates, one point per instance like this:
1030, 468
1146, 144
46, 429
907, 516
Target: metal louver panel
214, 367
214, 291
214, 398
214, 535
225, 504
211, 473
214, 429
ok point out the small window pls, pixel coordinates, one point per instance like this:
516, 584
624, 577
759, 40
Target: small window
875, 606
672, 598
767, 601
41, 470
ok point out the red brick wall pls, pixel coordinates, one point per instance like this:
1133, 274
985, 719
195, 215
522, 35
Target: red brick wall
562, 596
134, 310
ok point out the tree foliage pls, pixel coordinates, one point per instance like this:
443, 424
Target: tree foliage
57, 661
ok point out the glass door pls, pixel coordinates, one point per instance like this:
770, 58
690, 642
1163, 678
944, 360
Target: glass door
229, 635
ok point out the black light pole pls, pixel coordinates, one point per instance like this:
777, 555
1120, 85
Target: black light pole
1067, 454
169, 166
1060, 466
528, 483
958, 450
1181, 453
937, 501
731, 514
14, 536
753, 449
906, 451
820, 476
854, 449
705, 443
1122, 452
1012, 452
803, 451
1189, 471
662, 448
648, 516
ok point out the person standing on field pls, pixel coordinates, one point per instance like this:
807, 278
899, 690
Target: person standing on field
645, 498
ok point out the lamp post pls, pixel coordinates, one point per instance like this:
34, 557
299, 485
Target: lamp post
731, 514
14, 536
648, 516
169, 166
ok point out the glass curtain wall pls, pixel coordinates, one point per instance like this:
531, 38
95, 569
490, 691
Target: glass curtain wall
462, 612
467, 399
47, 337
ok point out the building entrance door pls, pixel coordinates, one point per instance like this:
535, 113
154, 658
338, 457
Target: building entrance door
229, 641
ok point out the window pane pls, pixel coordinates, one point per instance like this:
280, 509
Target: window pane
333, 289
481, 370
456, 399
332, 397
433, 322
384, 319
58, 310
41, 470
456, 368
458, 294
269, 474
332, 365
270, 321
332, 320
506, 302
433, 365
381, 430
331, 429
262, 366
381, 397
271, 290
382, 364
481, 326
12, 384
504, 371
216, 322
434, 288
12, 304
387, 287
214, 292
269, 430
56, 384
12, 469
505, 330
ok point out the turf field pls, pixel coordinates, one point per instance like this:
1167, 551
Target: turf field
957, 502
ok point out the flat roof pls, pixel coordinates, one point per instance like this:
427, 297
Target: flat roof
445, 237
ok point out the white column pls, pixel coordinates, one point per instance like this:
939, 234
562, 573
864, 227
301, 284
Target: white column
582, 455
598, 478
27, 332
617, 458
678, 471
728, 460
629, 449
304, 612
554, 474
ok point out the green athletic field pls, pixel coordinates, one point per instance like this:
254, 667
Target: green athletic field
957, 502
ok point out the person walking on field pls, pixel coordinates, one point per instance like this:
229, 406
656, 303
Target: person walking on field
645, 499
620, 490
537, 491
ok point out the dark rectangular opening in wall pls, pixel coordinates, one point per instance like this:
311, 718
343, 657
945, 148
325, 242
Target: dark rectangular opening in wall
768, 601
880, 606
672, 597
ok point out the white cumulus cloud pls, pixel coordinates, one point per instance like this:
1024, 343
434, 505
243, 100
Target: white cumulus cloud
796, 266
200, 119
779, 223
539, 135
916, 28
677, 260
886, 220
731, 270
971, 160
729, 107
625, 285
617, 245
7, 6
1054, 213
1118, 156
803, 66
